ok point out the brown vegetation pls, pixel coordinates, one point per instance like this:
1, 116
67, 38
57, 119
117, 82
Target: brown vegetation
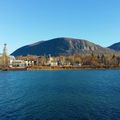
88, 61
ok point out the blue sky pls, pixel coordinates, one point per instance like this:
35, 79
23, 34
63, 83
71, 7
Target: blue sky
27, 21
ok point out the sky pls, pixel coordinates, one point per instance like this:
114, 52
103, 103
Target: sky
25, 22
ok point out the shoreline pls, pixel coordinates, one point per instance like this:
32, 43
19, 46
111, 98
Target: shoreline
73, 68
56, 68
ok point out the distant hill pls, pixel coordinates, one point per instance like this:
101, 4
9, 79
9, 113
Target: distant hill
115, 46
60, 46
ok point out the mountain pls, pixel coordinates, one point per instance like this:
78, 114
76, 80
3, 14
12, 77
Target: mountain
60, 46
115, 46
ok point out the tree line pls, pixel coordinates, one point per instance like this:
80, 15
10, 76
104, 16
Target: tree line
88, 60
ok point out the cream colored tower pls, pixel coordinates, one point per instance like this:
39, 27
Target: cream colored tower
5, 56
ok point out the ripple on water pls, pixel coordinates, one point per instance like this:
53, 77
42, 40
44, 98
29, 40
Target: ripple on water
60, 95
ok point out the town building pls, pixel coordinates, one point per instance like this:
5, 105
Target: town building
4, 58
18, 64
8, 61
52, 61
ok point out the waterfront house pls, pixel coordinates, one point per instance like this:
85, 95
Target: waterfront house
52, 61
18, 64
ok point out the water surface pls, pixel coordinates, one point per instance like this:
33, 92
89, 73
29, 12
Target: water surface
60, 95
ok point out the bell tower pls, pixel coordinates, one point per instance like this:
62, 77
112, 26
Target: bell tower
5, 50
5, 56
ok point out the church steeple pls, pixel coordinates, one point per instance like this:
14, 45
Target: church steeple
5, 49
5, 56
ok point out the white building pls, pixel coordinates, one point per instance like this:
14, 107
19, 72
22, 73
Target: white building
10, 61
29, 63
18, 63
52, 61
